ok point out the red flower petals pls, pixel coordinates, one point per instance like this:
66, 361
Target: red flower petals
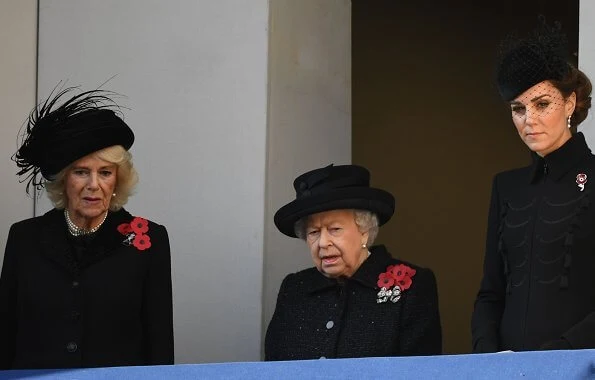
136, 233
139, 225
397, 272
396, 276
124, 228
385, 280
409, 272
142, 242
404, 283
400, 271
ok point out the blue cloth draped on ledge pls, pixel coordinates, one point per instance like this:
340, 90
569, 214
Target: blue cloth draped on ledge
571, 364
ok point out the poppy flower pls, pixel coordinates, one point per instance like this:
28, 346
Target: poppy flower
581, 178
409, 272
397, 275
142, 242
404, 283
139, 225
124, 228
385, 280
398, 271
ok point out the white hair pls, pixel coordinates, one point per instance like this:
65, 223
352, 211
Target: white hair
365, 220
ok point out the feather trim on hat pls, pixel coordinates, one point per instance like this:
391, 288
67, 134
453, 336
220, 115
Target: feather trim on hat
50, 127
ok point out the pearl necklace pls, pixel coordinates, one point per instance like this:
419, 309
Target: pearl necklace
76, 230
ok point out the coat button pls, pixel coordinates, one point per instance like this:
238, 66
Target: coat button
71, 347
75, 315
330, 324
75, 284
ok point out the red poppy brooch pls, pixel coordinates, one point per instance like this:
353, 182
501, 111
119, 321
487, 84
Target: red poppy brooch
394, 282
581, 180
136, 233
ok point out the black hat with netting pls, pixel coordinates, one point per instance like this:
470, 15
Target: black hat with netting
525, 62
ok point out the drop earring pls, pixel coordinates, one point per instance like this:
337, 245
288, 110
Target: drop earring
568, 121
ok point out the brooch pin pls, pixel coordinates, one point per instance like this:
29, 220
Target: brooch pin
385, 294
136, 233
581, 179
394, 282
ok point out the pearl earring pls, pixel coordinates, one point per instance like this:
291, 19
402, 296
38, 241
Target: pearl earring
364, 246
568, 121
114, 194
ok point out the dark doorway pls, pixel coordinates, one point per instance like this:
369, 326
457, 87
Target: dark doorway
428, 123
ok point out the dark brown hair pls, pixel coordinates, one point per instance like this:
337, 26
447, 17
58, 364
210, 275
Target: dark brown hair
576, 81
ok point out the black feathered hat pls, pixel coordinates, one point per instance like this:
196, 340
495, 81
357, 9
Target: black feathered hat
525, 62
334, 188
56, 136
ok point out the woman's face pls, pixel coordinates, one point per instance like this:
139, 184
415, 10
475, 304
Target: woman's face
335, 243
90, 183
540, 116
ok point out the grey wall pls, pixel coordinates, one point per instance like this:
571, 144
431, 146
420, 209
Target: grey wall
586, 59
195, 76
199, 90
309, 116
18, 41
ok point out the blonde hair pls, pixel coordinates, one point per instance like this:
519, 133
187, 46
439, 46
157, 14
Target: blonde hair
126, 178
364, 220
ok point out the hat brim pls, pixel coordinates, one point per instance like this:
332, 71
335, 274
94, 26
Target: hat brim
378, 201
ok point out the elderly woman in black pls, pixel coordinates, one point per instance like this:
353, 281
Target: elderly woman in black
358, 300
538, 287
87, 284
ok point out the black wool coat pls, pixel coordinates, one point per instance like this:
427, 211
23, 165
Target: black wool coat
538, 287
102, 303
318, 317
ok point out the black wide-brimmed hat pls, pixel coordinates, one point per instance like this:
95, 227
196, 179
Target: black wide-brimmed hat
334, 188
57, 136
525, 62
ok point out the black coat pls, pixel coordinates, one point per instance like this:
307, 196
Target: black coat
538, 287
320, 317
66, 302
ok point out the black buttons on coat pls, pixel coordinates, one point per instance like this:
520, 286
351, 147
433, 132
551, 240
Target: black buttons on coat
71, 347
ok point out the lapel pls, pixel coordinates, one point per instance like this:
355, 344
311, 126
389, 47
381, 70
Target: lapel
57, 247
368, 272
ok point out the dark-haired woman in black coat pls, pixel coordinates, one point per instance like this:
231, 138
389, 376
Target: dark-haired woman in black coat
538, 287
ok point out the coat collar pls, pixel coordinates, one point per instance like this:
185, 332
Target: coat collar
560, 161
55, 240
367, 274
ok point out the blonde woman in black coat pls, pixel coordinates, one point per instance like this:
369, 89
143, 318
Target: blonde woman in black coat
357, 300
87, 284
